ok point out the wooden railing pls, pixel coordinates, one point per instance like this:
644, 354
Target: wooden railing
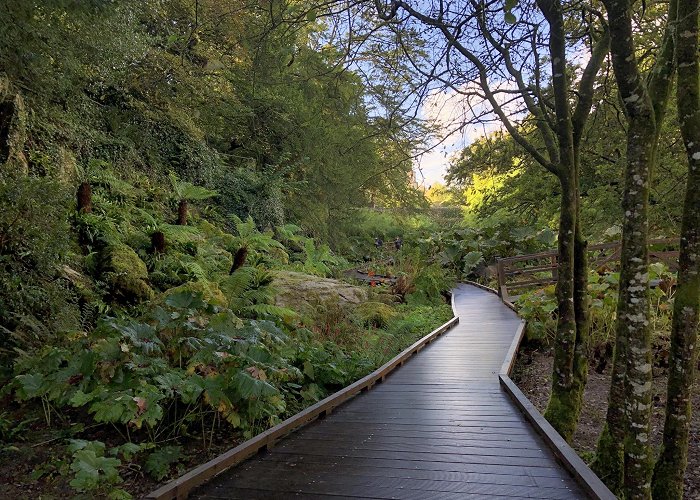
525, 272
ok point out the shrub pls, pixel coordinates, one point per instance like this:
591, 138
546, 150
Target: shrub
35, 244
539, 307
375, 314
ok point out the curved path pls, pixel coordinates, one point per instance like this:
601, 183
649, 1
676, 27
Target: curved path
439, 427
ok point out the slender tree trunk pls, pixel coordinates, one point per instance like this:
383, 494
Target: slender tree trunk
623, 456
569, 376
565, 400
633, 299
633, 307
670, 468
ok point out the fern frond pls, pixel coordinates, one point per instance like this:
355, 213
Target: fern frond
196, 270
236, 284
180, 234
283, 313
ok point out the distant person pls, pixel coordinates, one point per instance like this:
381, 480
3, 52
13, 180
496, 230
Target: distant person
378, 242
398, 242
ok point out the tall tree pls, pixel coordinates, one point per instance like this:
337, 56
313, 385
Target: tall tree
624, 458
671, 465
491, 46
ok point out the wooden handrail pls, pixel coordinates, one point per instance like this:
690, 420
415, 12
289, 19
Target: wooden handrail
507, 270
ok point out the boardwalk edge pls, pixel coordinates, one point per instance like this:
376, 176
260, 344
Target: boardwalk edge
586, 478
180, 487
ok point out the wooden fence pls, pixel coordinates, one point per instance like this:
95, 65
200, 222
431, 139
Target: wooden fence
525, 272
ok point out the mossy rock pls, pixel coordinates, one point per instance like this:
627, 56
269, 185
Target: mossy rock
375, 314
125, 273
128, 289
210, 291
140, 241
302, 292
122, 259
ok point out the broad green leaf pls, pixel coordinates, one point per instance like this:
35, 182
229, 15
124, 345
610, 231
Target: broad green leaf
30, 385
159, 462
471, 260
111, 410
247, 386
309, 369
128, 450
92, 470
98, 447
184, 300
80, 398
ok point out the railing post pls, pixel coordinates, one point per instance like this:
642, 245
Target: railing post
555, 270
501, 274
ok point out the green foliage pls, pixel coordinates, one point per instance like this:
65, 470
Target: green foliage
263, 248
150, 343
188, 191
11, 430
161, 460
94, 472
35, 244
129, 373
375, 314
539, 307
502, 185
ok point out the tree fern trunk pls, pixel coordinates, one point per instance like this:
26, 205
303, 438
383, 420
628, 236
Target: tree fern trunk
158, 242
84, 198
182, 209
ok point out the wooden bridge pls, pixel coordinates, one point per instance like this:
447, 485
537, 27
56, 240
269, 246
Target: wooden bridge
448, 424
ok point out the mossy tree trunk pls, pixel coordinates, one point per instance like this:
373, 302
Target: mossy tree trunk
570, 369
623, 449
671, 465
565, 399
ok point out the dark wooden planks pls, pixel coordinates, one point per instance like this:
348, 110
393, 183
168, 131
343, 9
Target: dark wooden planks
386, 487
438, 427
328, 469
416, 465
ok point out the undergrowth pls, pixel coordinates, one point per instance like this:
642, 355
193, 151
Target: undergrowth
169, 334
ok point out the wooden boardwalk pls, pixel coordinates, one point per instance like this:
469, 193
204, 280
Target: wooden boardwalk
439, 427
